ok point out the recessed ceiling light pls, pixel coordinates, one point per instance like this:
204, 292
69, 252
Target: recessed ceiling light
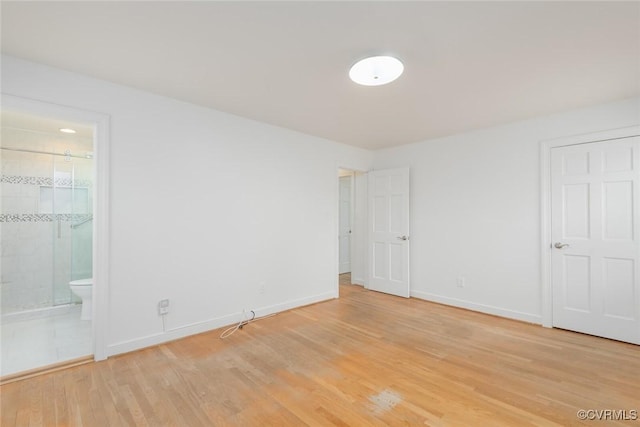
376, 70
67, 130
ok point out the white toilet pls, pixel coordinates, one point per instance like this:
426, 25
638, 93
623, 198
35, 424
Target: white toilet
82, 288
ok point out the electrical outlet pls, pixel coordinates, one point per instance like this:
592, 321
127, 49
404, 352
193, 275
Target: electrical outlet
163, 307
262, 287
461, 281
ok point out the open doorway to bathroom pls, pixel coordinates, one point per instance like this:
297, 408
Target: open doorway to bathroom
46, 222
352, 218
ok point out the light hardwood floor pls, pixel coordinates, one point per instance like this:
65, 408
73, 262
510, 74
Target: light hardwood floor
364, 359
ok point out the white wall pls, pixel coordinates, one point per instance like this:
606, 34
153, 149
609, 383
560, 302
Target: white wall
475, 209
204, 210
207, 209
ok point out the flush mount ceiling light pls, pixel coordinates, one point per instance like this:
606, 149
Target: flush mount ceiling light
67, 130
376, 70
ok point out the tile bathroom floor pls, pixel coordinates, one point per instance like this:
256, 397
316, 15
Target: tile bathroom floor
36, 342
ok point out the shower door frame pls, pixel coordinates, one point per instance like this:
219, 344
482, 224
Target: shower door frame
100, 123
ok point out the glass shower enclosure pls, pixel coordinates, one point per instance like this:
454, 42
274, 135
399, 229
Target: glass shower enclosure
46, 235
46, 218
68, 201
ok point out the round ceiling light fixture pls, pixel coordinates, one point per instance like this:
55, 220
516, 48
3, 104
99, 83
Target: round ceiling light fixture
376, 70
67, 130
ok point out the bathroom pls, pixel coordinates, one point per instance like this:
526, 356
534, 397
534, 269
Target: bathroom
46, 227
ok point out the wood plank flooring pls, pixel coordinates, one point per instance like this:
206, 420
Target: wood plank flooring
364, 359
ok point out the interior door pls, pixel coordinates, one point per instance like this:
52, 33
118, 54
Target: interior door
389, 231
595, 191
345, 224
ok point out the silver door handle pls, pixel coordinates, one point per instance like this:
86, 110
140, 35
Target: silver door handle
559, 245
402, 237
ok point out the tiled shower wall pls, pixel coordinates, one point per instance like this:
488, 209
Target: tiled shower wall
41, 253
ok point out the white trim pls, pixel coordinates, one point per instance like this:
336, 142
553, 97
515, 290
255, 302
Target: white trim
101, 150
545, 204
211, 324
101, 237
482, 308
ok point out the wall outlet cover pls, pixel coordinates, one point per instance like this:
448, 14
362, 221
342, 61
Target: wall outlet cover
163, 307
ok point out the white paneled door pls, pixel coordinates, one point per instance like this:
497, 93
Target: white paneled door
389, 231
344, 220
595, 227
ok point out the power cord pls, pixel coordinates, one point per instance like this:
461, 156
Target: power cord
230, 331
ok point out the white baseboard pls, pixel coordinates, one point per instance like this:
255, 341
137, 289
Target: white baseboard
357, 281
288, 305
210, 324
482, 308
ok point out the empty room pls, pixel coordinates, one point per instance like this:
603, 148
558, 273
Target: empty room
348, 213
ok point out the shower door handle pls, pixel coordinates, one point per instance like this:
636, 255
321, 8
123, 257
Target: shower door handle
59, 228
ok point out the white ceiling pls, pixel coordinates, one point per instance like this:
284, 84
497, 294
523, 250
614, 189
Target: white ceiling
468, 65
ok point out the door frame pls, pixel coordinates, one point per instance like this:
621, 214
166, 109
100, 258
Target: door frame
545, 205
100, 122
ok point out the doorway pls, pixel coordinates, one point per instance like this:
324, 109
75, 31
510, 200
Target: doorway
47, 239
54, 227
352, 211
345, 214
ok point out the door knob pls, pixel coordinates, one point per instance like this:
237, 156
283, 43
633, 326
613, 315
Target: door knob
559, 245
402, 237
